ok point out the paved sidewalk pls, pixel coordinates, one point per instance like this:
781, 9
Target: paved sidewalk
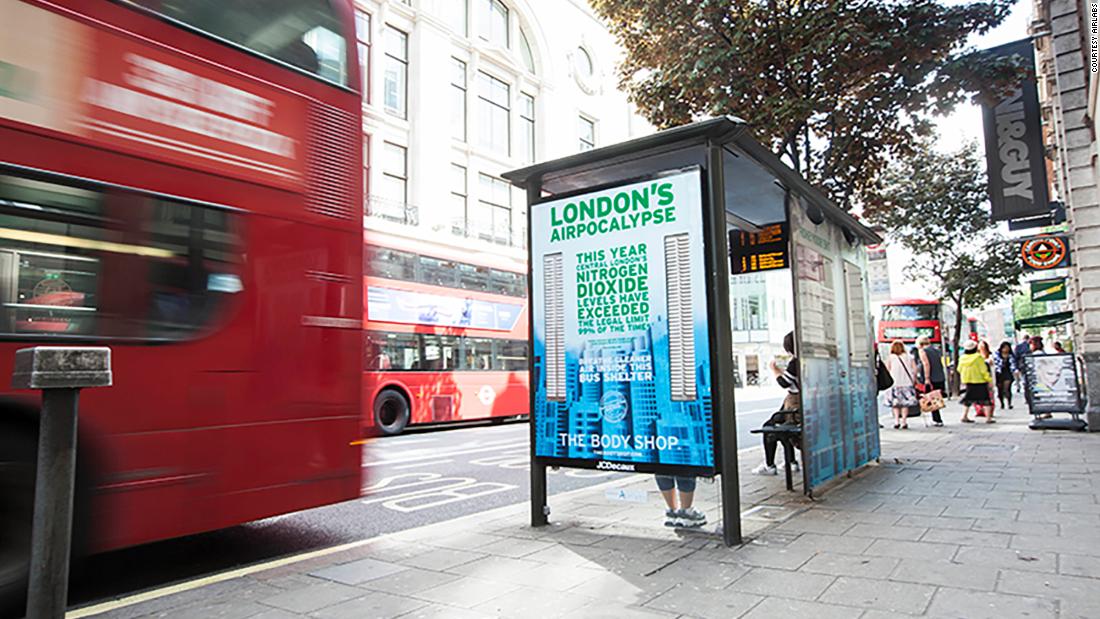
970, 521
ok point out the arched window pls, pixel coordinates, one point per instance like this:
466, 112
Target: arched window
525, 54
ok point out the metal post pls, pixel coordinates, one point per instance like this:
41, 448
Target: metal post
60, 373
721, 347
540, 510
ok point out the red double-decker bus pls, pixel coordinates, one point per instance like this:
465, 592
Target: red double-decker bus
180, 180
446, 335
909, 319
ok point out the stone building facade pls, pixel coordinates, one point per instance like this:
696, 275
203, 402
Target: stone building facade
1065, 35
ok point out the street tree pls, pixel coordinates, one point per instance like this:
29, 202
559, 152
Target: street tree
836, 88
935, 205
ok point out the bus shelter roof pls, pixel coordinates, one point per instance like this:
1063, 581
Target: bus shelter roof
723, 130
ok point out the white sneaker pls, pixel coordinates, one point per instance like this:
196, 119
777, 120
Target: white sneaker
794, 466
692, 518
764, 469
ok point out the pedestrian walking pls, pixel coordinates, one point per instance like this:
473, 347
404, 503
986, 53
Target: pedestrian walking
1021, 349
1058, 348
975, 376
684, 514
903, 395
930, 372
987, 355
1004, 370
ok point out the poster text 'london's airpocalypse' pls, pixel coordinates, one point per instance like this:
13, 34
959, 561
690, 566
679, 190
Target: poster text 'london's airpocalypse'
622, 364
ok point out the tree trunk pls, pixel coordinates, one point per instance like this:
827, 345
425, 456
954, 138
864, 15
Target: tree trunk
955, 343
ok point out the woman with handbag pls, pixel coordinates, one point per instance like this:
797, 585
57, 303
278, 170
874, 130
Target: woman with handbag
930, 372
903, 395
1004, 364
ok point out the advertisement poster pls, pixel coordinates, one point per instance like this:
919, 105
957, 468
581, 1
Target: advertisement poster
1052, 385
622, 361
417, 308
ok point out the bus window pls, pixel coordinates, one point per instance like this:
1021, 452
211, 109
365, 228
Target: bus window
393, 351
477, 353
389, 263
511, 355
437, 272
472, 277
78, 260
910, 312
306, 34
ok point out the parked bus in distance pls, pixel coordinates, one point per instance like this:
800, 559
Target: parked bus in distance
446, 335
181, 180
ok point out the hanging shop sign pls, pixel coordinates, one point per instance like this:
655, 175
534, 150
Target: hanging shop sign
620, 328
1043, 253
1048, 290
1014, 145
760, 251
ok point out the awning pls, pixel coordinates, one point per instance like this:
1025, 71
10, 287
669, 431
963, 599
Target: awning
1049, 320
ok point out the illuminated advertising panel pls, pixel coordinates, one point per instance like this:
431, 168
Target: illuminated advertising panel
621, 340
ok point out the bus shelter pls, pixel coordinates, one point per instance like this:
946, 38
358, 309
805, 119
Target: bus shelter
632, 251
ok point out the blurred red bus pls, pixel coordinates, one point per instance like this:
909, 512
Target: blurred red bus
446, 335
181, 181
909, 319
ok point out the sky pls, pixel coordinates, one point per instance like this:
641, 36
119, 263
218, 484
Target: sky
964, 124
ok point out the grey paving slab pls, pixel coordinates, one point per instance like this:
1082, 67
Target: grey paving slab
515, 548
839, 564
412, 579
883, 595
313, 597
530, 603
442, 611
879, 531
946, 574
968, 538
465, 592
767, 582
703, 574
275, 613
1057, 587
965, 604
358, 572
821, 543
615, 611
936, 522
1079, 609
1080, 565
704, 604
227, 609
911, 550
441, 559
376, 605
1059, 544
781, 607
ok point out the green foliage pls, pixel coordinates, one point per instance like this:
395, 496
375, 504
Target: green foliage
933, 204
838, 88
1023, 307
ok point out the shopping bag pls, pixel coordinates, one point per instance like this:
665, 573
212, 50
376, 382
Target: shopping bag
932, 401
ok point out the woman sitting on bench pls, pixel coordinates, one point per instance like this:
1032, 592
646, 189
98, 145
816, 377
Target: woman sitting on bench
790, 413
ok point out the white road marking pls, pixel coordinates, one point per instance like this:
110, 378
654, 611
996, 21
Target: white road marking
416, 464
445, 454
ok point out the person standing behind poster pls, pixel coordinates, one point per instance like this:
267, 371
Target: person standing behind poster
685, 515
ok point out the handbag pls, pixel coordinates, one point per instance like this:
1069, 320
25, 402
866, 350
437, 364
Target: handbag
932, 401
885, 381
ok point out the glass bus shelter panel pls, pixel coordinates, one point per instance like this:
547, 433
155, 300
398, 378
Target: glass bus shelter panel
834, 350
751, 192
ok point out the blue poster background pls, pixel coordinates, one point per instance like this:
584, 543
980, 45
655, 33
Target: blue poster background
618, 406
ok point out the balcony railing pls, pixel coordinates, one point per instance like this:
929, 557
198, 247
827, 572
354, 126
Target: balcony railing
487, 231
392, 210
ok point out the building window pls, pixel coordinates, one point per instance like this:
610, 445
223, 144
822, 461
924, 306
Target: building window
493, 110
459, 194
527, 127
362, 35
494, 216
587, 133
582, 62
455, 15
397, 71
393, 195
493, 22
458, 99
525, 54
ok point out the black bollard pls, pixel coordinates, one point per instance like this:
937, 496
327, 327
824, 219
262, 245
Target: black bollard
60, 373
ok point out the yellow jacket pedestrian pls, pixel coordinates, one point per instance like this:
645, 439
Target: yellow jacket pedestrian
973, 369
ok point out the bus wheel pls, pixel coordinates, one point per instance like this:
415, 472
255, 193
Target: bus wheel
391, 412
18, 453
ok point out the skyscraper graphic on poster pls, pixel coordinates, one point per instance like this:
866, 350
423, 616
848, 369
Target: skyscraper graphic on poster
622, 359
